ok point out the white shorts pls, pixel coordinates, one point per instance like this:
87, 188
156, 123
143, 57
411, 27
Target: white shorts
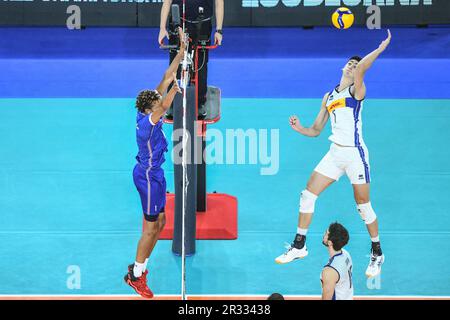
353, 161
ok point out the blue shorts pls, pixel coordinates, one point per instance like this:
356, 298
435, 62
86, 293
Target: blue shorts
151, 185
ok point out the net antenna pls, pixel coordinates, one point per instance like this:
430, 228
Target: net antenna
186, 63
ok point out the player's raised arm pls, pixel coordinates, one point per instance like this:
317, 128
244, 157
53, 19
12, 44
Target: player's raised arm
164, 15
329, 279
167, 78
165, 103
219, 5
318, 124
364, 65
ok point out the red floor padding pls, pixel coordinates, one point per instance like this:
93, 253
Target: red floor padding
218, 222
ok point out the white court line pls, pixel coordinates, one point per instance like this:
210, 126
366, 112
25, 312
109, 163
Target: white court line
177, 296
312, 296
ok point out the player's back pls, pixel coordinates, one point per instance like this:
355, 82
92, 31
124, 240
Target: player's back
151, 142
342, 263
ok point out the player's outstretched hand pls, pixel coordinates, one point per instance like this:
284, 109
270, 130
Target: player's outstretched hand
294, 122
162, 34
386, 42
182, 39
218, 39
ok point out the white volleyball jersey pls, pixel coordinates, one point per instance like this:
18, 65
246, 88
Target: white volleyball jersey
342, 263
345, 116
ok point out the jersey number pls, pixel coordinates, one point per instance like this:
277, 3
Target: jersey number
334, 114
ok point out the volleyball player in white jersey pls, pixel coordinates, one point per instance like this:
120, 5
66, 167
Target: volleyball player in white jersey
348, 154
336, 276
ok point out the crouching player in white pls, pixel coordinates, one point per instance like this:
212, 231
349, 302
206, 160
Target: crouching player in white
348, 154
336, 275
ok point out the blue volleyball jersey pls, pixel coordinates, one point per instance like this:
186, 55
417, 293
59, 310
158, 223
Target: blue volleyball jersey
151, 142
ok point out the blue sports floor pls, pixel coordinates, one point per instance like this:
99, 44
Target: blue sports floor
67, 151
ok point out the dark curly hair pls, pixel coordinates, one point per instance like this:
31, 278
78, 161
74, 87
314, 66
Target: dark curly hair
357, 58
275, 296
338, 235
145, 100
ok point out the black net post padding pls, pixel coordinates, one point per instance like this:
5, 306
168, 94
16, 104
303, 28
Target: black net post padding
191, 204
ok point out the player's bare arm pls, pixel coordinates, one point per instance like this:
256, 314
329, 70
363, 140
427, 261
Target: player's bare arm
164, 105
364, 65
318, 124
329, 279
164, 15
219, 5
167, 78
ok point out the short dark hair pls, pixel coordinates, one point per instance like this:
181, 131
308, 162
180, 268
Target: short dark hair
357, 58
145, 99
338, 235
275, 296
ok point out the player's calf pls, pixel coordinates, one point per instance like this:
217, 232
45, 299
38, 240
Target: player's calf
298, 250
376, 255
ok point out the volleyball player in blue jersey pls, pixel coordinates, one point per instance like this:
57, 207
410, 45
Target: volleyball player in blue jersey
148, 175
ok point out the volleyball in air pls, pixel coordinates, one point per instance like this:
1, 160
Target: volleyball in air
343, 18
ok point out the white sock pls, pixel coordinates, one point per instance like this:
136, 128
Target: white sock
376, 239
138, 269
302, 232
145, 264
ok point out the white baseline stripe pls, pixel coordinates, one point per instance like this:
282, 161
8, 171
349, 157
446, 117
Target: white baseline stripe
211, 295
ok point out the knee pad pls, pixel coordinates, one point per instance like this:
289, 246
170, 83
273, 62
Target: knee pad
366, 212
307, 201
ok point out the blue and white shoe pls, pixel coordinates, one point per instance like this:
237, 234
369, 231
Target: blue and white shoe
374, 267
